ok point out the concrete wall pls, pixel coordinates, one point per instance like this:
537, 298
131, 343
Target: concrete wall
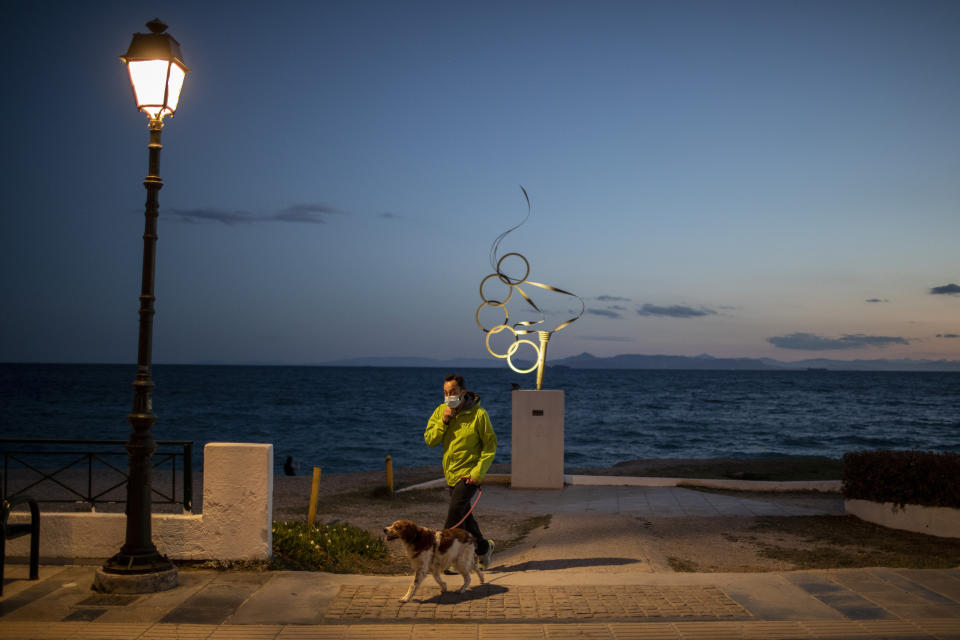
934, 521
236, 523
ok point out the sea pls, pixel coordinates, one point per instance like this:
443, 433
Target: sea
345, 419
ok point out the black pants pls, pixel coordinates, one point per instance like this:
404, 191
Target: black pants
461, 497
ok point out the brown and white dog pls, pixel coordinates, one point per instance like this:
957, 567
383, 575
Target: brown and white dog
433, 551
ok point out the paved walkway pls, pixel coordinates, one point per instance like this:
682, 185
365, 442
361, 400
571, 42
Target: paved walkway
528, 601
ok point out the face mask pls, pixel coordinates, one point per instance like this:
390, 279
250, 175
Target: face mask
452, 401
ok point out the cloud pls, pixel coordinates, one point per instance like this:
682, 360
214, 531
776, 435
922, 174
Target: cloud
676, 311
216, 215
606, 298
948, 335
812, 342
877, 300
607, 313
388, 215
947, 289
313, 213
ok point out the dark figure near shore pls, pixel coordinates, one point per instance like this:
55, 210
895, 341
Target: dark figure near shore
288, 468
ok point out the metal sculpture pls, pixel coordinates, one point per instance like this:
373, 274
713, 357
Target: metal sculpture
525, 327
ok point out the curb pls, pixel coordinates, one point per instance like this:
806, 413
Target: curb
825, 486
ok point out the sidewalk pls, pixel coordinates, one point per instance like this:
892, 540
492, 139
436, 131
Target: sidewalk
522, 598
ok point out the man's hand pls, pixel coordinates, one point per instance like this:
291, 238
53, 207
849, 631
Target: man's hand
447, 414
469, 480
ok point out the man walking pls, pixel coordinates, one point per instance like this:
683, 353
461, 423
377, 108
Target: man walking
469, 444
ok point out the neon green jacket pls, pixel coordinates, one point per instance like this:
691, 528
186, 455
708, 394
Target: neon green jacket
469, 442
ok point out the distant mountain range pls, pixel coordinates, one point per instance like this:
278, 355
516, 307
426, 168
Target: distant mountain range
639, 361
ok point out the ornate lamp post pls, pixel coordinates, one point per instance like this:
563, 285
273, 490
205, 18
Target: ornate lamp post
156, 72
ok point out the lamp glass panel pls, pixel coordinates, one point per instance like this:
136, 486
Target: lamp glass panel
149, 79
177, 74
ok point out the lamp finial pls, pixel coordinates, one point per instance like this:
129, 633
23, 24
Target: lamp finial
156, 26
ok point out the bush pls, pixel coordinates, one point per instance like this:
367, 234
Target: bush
903, 477
334, 548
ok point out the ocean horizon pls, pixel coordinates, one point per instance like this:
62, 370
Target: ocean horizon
349, 418
586, 360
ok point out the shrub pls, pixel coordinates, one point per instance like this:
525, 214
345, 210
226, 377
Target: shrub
341, 548
903, 477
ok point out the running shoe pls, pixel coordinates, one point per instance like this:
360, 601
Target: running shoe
483, 561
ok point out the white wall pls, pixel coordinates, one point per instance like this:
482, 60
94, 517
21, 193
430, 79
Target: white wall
934, 521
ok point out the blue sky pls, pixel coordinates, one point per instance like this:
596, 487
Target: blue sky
761, 179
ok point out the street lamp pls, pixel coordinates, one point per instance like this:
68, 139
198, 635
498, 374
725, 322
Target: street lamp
157, 72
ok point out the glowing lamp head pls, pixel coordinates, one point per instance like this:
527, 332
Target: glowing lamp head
156, 70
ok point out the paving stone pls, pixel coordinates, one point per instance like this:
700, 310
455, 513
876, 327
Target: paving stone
943, 582
942, 629
512, 631
921, 611
246, 632
815, 584
108, 600
87, 614
570, 631
184, 631
365, 602
772, 630
892, 629
914, 588
853, 606
40, 589
382, 632
217, 601
643, 631
325, 632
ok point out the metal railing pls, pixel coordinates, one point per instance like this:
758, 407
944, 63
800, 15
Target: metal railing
68, 454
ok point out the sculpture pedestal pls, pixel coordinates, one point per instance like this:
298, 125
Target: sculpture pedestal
536, 451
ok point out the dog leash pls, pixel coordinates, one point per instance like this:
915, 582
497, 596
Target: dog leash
479, 493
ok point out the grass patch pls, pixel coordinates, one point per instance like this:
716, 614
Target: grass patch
682, 566
340, 548
837, 542
226, 565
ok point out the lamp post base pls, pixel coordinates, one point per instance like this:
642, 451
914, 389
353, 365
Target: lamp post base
105, 582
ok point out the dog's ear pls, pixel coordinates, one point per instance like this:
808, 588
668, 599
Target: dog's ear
407, 530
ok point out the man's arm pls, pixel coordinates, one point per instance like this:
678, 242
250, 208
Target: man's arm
436, 427
489, 440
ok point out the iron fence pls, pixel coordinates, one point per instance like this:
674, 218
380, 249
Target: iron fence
22, 458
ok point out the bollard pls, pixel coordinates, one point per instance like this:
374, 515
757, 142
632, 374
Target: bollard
389, 475
314, 490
